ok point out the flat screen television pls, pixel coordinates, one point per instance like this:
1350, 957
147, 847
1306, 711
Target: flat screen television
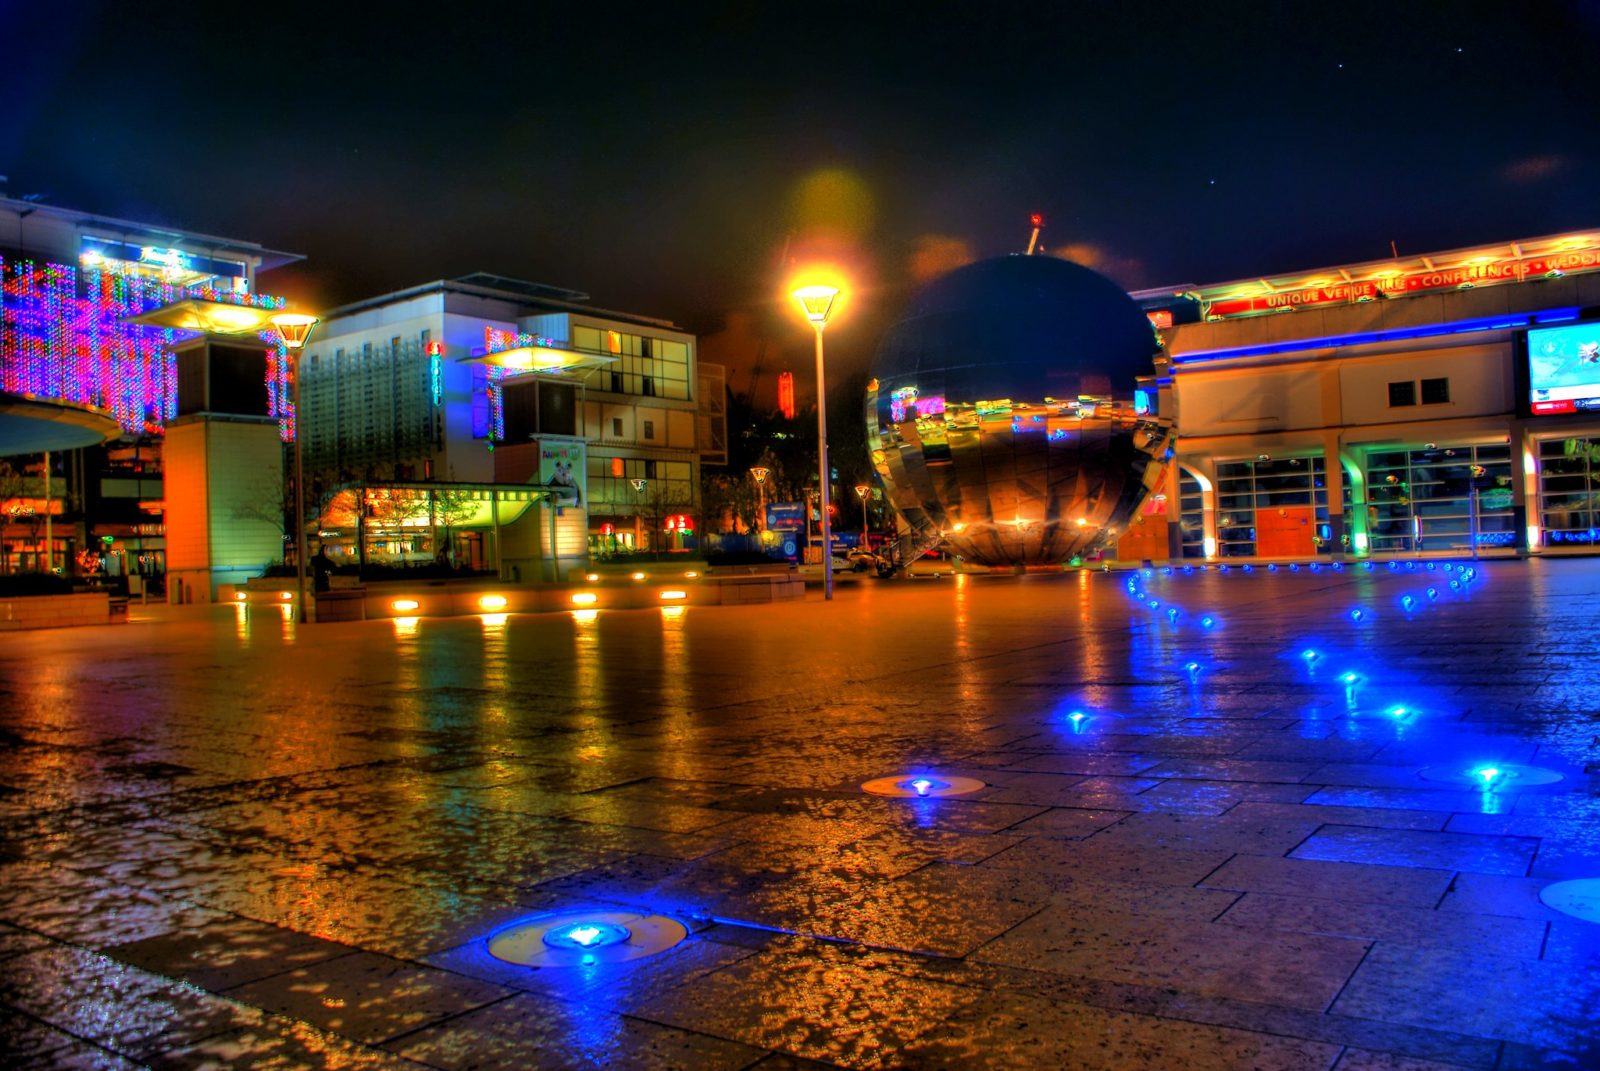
1562, 369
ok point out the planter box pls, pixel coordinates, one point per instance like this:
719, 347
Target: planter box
56, 611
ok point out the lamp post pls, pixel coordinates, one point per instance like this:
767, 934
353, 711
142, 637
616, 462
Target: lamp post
760, 473
292, 330
861, 492
817, 301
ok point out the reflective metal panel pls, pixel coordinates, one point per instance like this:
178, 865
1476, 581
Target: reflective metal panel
1003, 419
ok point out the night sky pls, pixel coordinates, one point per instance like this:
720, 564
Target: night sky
664, 163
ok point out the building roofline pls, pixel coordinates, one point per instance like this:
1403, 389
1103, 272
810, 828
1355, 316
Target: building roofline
269, 258
527, 301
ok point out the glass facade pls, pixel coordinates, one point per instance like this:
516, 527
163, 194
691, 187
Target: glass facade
645, 366
1191, 515
1422, 500
1569, 492
1272, 507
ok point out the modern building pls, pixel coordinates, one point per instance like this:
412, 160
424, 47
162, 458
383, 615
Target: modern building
1447, 403
71, 287
484, 381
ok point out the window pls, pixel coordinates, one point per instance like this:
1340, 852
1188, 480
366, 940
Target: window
366, 351
1402, 393
616, 426
1435, 391
649, 388
616, 382
649, 429
394, 343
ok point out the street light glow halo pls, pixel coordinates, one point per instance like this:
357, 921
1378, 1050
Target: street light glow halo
817, 301
293, 328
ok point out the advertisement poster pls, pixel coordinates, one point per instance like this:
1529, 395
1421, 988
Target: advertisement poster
563, 464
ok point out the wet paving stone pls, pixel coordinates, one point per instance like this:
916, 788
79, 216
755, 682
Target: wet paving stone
220, 848
1297, 971
226, 953
98, 1000
1478, 853
366, 997
1546, 1005
1078, 1036
528, 1031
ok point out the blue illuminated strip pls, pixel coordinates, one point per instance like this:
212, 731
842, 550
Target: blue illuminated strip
1495, 323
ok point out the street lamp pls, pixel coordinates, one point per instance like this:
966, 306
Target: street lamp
761, 472
292, 330
817, 301
861, 492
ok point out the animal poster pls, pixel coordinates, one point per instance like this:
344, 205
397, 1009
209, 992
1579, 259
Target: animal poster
564, 464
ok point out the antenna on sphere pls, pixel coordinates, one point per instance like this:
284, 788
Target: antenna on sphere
1038, 224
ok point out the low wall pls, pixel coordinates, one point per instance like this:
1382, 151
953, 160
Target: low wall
56, 611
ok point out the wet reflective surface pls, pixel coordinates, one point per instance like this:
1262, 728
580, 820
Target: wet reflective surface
226, 844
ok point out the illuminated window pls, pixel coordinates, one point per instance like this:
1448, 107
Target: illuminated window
1402, 393
616, 466
1435, 391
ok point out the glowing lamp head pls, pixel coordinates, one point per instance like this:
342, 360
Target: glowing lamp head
1309, 655
1431, 567
816, 302
1315, 566
1351, 679
293, 329
1407, 601
1155, 604
1411, 565
584, 598
402, 605
1368, 566
1172, 613
1357, 614
492, 602
1076, 716
1487, 775
285, 595
1455, 585
1294, 567
1394, 566
1208, 621
922, 784
1273, 567
240, 596
592, 577
1247, 567
638, 576
1192, 668
1433, 593
1399, 712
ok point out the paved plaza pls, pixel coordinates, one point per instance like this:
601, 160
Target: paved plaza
229, 841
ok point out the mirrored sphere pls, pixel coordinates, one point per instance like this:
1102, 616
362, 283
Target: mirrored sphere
1005, 415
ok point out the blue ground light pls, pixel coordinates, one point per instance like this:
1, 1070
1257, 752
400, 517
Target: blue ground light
587, 935
1412, 995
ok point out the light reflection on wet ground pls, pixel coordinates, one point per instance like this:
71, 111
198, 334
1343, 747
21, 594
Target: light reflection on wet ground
226, 840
